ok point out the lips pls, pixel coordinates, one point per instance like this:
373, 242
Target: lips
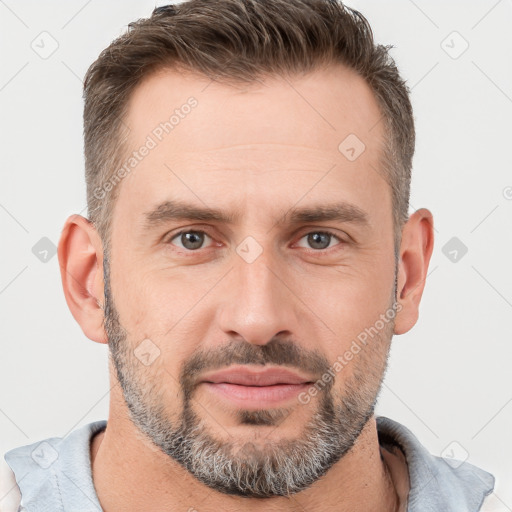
244, 376
251, 388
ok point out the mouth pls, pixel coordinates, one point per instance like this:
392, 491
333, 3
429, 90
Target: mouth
251, 388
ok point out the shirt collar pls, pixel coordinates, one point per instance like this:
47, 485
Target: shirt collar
57, 472
436, 484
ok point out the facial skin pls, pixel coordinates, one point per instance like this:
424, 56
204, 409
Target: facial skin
259, 152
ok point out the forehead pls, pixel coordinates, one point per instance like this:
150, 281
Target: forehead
310, 136
317, 110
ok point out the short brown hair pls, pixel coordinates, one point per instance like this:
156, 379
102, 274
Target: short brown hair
241, 40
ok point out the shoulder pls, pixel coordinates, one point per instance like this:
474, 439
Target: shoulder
10, 496
25, 470
437, 482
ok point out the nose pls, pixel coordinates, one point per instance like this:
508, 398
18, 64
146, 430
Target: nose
259, 302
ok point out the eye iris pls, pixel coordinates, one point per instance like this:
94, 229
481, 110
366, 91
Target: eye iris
192, 240
322, 239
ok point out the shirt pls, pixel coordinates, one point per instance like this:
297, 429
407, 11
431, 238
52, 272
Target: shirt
54, 475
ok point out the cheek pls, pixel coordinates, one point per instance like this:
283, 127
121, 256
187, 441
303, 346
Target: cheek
136, 301
154, 306
352, 304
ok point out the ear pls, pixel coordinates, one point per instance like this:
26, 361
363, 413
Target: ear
415, 252
81, 268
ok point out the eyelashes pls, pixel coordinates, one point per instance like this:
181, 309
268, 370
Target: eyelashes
192, 240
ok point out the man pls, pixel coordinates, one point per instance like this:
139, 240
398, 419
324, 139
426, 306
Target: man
248, 257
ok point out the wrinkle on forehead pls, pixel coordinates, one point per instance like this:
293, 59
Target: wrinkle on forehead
317, 111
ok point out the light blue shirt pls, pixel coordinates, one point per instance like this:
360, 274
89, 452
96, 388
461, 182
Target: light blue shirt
54, 475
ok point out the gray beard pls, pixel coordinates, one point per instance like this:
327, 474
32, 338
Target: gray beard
273, 468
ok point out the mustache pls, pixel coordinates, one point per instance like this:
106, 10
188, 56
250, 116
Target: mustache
276, 352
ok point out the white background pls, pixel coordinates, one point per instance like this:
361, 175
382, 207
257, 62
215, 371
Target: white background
449, 378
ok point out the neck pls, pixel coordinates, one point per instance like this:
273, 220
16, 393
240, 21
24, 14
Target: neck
131, 474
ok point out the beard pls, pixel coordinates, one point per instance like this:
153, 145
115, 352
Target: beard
242, 468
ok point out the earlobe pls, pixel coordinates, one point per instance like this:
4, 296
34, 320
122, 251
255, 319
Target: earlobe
415, 253
81, 267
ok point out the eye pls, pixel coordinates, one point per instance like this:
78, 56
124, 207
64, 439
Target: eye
190, 240
320, 239
193, 240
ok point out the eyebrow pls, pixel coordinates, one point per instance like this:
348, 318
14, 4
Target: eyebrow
180, 210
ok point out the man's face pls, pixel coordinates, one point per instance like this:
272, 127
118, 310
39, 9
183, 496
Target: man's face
266, 288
